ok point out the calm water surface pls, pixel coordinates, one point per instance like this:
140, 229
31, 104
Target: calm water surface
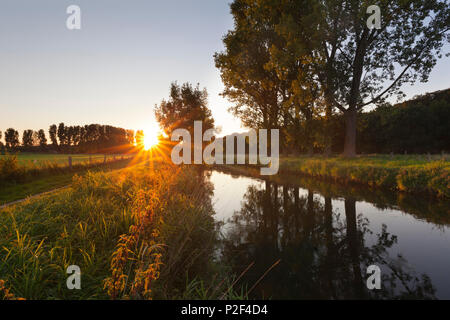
324, 237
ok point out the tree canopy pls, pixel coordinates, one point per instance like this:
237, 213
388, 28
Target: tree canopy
185, 105
287, 56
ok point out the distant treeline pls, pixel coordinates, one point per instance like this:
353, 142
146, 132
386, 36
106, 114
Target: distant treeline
420, 125
93, 138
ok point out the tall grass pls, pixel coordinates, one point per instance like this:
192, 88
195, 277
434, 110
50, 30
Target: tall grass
135, 234
408, 174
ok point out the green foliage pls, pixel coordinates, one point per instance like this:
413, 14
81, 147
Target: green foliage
91, 138
10, 169
288, 61
408, 174
186, 104
27, 138
415, 126
11, 138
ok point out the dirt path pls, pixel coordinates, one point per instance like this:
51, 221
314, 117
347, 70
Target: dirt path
32, 197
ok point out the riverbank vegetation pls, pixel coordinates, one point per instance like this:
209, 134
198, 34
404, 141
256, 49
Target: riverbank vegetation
135, 233
408, 174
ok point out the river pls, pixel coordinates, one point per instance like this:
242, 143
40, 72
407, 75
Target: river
306, 239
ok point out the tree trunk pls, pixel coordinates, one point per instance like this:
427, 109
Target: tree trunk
350, 133
328, 129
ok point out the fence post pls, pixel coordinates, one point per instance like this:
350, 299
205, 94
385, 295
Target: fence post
90, 159
104, 159
70, 162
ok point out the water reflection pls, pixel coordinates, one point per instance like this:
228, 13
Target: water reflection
324, 252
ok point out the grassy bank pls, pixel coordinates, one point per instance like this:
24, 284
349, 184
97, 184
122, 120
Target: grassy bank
411, 174
135, 233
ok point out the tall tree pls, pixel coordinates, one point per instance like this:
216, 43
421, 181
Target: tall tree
62, 134
356, 63
256, 91
268, 85
41, 138
52, 131
185, 105
27, 138
11, 138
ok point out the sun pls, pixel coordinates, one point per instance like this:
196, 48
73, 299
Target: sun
150, 138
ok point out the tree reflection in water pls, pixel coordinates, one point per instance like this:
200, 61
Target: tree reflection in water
324, 255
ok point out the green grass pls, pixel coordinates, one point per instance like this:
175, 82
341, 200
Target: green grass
41, 159
15, 192
10, 192
135, 233
19, 169
412, 174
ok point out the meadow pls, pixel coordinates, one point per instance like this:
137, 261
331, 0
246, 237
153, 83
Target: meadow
43, 159
136, 233
23, 175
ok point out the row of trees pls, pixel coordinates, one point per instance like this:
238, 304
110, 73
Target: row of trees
289, 63
89, 138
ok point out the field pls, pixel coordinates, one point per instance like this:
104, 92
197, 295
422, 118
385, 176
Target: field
40, 160
24, 175
135, 233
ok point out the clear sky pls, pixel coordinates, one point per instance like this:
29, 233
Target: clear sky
119, 65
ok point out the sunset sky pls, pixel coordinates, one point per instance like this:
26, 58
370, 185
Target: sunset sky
120, 64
